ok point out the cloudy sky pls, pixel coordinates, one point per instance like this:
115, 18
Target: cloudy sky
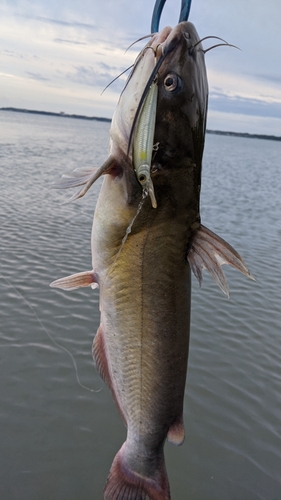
58, 55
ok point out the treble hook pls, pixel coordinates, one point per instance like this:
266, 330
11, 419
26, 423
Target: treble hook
159, 4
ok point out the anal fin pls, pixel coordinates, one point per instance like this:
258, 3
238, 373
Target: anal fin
209, 251
100, 357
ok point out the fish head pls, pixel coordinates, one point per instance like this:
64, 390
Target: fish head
174, 58
180, 125
182, 98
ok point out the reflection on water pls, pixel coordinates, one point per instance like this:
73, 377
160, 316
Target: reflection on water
58, 439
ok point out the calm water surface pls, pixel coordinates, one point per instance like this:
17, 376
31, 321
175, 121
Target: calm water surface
58, 439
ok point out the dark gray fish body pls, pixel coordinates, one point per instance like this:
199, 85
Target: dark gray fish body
141, 347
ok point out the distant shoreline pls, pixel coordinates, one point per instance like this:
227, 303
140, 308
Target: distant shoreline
101, 119
61, 114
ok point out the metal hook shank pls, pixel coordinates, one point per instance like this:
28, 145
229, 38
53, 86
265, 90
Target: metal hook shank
185, 9
159, 4
158, 7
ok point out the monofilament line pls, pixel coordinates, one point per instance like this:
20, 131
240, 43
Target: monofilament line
50, 336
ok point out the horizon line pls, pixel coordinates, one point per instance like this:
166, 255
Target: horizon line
62, 114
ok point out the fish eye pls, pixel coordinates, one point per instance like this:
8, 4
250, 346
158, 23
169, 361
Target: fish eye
172, 82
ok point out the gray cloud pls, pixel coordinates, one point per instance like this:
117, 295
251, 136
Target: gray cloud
218, 101
37, 76
270, 78
9, 53
16, 55
75, 42
72, 24
99, 76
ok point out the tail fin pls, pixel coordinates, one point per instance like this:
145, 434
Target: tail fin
123, 483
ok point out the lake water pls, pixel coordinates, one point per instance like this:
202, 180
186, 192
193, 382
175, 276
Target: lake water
58, 439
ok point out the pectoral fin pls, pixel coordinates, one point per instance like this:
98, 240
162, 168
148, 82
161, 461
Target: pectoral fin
209, 251
84, 178
79, 177
74, 281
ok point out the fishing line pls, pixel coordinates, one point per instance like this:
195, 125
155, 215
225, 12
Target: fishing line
50, 336
130, 226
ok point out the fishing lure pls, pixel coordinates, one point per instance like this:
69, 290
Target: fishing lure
143, 143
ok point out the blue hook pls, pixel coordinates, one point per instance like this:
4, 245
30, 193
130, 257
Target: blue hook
159, 4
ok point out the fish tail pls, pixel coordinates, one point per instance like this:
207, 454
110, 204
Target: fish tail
124, 483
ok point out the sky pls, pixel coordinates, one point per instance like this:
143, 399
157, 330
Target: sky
58, 55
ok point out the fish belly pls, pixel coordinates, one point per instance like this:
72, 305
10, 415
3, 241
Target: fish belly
145, 316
